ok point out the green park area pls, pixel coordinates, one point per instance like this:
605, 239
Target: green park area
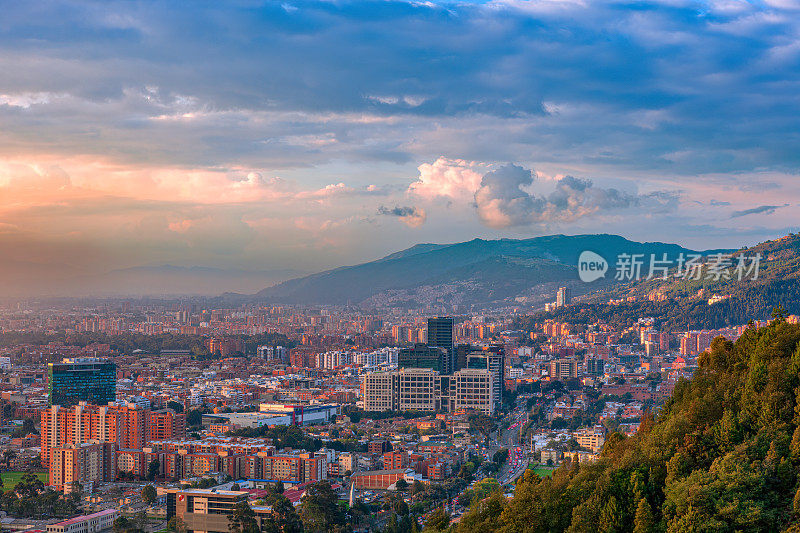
10, 479
543, 471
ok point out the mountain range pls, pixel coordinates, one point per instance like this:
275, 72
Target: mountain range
473, 273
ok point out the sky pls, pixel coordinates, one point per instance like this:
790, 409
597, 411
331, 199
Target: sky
306, 135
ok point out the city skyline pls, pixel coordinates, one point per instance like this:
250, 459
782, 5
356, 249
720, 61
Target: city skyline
309, 135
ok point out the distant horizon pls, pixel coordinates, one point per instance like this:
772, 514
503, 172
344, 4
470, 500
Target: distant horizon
257, 279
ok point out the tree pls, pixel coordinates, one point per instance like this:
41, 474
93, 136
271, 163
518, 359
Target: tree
483, 516
29, 486
149, 494
122, 525
236, 486
610, 519
283, 518
320, 511
152, 469
243, 519
438, 520
482, 424
175, 406
176, 525
401, 485
644, 522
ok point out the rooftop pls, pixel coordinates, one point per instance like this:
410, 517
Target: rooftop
81, 518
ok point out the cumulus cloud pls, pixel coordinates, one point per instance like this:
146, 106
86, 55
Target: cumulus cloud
411, 216
504, 199
447, 178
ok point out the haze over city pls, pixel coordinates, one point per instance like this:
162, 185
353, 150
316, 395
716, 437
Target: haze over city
270, 140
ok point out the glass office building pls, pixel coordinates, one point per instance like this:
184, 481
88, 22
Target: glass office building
81, 380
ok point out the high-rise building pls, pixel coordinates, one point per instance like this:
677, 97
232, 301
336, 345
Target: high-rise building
460, 356
128, 426
491, 358
440, 332
278, 354
77, 380
595, 366
563, 296
440, 335
88, 462
423, 356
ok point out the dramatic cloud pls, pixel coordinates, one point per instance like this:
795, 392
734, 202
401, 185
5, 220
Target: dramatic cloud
130, 137
504, 200
412, 216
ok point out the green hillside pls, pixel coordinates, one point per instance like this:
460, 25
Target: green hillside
722, 455
477, 271
686, 301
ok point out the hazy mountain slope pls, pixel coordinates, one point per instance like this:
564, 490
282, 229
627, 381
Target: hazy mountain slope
493, 269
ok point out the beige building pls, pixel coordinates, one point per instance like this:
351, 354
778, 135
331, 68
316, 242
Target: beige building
590, 438
417, 389
423, 389
474, 390
90, 462
93, 523
378, 391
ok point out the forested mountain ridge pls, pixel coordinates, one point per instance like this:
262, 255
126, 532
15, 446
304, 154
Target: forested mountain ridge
723, 454
680, 304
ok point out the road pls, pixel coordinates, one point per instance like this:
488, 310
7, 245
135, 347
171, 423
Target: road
509, 439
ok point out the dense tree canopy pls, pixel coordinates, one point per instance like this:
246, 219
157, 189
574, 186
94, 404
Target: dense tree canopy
722, 455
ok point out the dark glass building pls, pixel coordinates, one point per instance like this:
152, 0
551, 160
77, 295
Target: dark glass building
88, 380
424, 356
440, 335
440, 332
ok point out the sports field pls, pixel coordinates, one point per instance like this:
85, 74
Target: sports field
10, 479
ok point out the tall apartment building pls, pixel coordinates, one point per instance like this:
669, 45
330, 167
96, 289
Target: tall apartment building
563, 296
190, 461
125, 425
89, 462
273, 353
424, 389
86, 379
